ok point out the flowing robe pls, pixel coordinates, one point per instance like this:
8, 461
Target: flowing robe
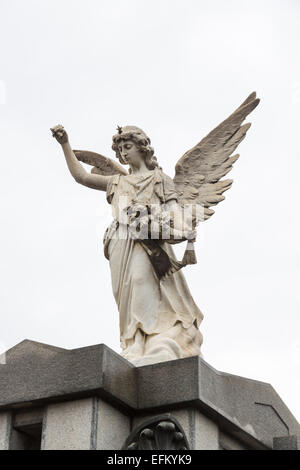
158, 317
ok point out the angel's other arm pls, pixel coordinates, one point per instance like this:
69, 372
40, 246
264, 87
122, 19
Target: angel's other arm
80, 175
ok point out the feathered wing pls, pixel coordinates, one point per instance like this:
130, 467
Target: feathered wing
199, 171
101, 165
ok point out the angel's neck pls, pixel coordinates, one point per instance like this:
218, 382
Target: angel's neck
141, 169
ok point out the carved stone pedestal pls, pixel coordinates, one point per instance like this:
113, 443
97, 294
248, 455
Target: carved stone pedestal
92, 398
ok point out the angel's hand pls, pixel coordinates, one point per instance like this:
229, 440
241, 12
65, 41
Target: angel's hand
60, 134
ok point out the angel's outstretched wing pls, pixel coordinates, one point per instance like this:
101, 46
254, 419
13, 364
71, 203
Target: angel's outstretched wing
101, 165
199, 171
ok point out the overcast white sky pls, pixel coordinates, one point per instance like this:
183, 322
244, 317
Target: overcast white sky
176, 69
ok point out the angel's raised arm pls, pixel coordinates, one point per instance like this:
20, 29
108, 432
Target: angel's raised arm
91, 180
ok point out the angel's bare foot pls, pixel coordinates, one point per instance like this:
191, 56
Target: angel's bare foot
60, 134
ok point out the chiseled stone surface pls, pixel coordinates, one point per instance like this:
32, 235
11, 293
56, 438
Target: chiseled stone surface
5, 424
227, 442
38, 373
113, 427
253, 407
68, 426
248, 410
286, 443
206, 433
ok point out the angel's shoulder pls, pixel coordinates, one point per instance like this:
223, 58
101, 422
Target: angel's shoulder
166, 178
168, 187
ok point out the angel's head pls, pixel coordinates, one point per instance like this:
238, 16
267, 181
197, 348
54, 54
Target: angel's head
132, 145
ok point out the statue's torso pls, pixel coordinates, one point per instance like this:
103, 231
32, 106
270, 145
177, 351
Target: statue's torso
153, 188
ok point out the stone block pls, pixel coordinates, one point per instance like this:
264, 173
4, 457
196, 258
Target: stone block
227, 442
5, 429
69, 426
41, 373
199, 396
286, 443
113, 427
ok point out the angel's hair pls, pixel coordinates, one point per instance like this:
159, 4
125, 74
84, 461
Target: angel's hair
142, 142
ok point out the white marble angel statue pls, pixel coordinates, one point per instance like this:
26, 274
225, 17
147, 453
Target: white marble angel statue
158, 318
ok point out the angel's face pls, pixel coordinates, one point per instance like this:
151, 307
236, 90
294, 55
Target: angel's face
130, 152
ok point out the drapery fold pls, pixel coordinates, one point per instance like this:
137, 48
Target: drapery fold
158, 317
